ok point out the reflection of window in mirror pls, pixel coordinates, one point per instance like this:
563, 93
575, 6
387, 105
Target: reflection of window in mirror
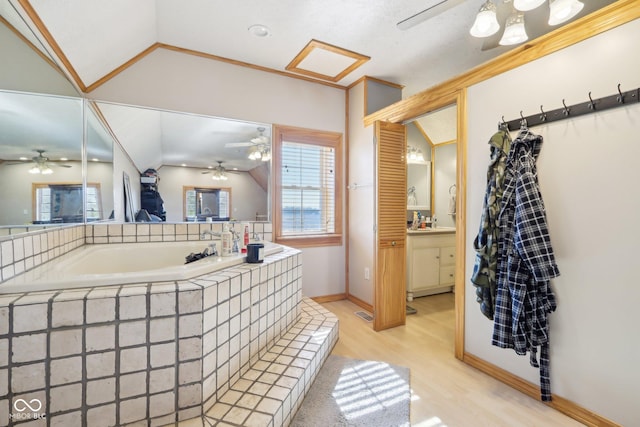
62, 203
201, 203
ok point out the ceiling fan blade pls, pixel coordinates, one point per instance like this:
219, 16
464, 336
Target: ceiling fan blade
436, 7
238, 144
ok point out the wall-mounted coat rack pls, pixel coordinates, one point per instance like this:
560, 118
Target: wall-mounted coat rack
566, 112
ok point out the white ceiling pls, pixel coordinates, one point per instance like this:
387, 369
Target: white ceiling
98, 36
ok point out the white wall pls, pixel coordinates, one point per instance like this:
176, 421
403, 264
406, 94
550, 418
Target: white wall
588, 172
121, 164
181, 82
362, 213
247, 197
444, 166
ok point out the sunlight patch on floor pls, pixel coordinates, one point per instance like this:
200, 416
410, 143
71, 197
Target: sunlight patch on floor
367, 388
431, 422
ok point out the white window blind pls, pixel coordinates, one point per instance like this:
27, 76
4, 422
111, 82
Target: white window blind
308, 189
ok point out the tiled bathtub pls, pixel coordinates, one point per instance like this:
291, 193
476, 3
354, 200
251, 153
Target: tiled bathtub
145, 354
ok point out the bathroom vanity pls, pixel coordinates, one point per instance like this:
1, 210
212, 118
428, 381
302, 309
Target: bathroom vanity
431, 261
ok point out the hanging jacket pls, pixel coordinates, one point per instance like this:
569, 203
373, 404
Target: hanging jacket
486, 242
526, 261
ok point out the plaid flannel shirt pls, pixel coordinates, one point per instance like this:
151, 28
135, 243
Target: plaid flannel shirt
526, 261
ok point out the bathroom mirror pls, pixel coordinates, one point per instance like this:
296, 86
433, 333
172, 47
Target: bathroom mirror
194, 151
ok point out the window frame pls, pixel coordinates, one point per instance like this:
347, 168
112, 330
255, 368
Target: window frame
202, 189
311, 137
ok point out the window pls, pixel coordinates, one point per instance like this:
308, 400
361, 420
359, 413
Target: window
308, 178
56, 203
202, 203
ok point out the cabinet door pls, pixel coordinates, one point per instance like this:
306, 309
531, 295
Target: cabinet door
448, 255
426, 268
447, 275
391, 182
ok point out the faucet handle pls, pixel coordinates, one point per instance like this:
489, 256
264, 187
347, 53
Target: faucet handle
256, 236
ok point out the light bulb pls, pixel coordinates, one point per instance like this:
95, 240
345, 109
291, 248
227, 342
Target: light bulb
486, 23
563, 10
34, 170
525, 5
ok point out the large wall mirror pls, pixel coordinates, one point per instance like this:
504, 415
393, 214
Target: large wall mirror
188, 151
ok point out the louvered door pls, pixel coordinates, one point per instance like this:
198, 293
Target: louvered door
391, 204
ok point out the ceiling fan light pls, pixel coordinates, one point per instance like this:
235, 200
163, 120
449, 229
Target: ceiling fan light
486, 23
46, 171
514, 31
266, 156
34, 170
525, 5
562, 10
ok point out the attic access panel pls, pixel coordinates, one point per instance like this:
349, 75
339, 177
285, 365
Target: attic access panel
324, 61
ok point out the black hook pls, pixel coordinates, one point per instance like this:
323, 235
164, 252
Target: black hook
566, 110
620, 97
592, 105
543, 117
502, 124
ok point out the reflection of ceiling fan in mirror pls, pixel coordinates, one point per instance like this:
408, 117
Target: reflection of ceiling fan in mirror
260, 146
41, 163
219, 172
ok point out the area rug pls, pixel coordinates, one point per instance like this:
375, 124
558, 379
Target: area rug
350, 392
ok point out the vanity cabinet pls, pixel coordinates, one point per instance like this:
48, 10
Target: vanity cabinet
431, 262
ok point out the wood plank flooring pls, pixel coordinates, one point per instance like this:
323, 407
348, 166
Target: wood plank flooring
445, 391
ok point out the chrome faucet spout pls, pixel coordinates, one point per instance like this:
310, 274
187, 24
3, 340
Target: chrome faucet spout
213, 234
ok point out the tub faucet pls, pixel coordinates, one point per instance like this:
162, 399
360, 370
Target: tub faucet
212, 233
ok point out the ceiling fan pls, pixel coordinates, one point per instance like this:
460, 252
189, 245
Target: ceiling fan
434, 8
260, 139
41, 163
219, 172
260, 146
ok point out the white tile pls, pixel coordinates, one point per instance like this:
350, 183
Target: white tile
133, 410
65, 343
189, 301
29, 348
31, 317
101, 364
6, 248
132, 385
189, 372
161, 404
27, 377
189, 395
237, 415
190, 348
70, 419
67, 313
100, 338
163, 355
133, 307
162, 379
101, 310
102, 416
65, 397
162, 329
163, 304
133, 359
190, 325
101, 391
4, 352
67, 370
18, 250
132, 333
4, 383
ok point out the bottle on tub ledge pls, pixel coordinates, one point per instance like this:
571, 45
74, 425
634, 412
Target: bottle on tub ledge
226, 240
434, 222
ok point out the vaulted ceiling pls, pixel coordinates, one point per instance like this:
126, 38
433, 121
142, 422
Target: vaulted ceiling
96, 37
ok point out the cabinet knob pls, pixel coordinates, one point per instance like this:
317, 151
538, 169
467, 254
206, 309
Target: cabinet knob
393, 243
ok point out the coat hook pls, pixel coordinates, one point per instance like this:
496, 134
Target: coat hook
502, 124
592, 105
620, 97
543, 117
566, 110
523, 121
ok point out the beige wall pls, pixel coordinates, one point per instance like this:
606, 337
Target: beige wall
588, 176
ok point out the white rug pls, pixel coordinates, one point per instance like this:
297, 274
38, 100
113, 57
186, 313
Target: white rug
350, 392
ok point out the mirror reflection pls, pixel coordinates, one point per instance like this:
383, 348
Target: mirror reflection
40, 159
183, 160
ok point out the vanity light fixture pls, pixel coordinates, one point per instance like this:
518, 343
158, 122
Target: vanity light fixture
414, 155
486, 23
563, 10
514, 31
525, 5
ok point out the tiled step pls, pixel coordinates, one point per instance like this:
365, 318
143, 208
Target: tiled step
271, 391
